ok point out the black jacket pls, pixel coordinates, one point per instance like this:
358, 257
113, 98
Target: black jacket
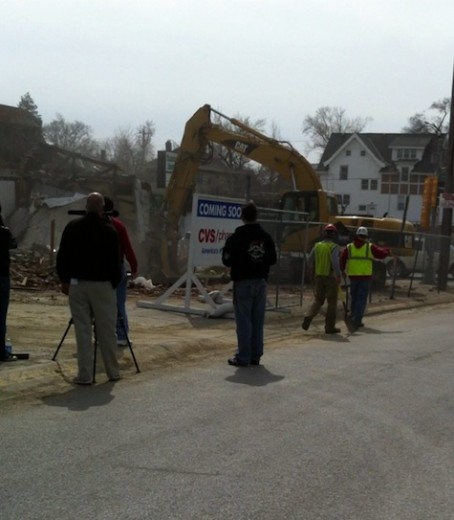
249, 252
89, 250
7, 242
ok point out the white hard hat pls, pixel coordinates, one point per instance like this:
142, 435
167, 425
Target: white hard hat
362, 232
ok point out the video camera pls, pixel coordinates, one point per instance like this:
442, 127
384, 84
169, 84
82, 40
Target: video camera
83, 212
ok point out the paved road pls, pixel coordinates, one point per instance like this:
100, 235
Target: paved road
355, 428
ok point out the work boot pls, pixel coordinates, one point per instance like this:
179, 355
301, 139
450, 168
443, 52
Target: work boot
306, 322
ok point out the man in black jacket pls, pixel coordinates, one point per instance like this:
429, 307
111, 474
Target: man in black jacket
249, 252
7, 242
89, 268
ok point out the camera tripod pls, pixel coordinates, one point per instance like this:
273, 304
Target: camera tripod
71, 322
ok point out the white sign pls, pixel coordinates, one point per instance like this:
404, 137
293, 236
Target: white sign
213, 221
447, 200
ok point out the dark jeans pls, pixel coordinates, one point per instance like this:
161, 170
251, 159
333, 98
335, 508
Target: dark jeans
359, 292
4, 302
249, 303
122, 289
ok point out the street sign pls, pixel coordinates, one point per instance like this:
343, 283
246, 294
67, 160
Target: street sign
447, 200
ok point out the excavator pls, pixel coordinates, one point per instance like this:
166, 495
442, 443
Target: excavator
306, 197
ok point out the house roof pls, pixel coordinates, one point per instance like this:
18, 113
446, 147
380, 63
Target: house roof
381, 146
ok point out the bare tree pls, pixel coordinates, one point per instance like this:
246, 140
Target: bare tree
27, 103
437, 122
132, 149
328, 120
74, 136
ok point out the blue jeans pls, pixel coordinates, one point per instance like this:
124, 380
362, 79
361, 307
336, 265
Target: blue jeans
122, 289
359, 292
249, 303
4, 302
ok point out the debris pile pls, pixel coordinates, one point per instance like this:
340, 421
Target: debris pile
33, 269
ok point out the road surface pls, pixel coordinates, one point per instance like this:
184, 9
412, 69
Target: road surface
352, 427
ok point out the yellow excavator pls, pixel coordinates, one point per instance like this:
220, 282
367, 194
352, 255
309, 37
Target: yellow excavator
306, 196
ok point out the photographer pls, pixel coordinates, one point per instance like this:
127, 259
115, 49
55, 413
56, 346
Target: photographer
88, 265
7, 242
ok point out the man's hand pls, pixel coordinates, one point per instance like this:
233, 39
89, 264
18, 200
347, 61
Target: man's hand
64, 286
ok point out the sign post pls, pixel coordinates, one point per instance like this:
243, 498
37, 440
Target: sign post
213, 220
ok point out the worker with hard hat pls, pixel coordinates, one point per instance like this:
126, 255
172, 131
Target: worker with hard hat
323, 262
357, 261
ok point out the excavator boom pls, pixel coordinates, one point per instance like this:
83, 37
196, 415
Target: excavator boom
306, 196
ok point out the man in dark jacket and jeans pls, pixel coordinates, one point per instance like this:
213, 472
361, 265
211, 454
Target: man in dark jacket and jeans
249, 252
89, 267
7, 242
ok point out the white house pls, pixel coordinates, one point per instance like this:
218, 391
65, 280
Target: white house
373, 174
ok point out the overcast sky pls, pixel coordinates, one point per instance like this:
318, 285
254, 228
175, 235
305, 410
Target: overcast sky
115, 64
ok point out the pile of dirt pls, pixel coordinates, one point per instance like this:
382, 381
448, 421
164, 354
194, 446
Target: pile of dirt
33, 269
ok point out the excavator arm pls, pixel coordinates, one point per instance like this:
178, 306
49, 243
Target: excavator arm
199, 133
306, 194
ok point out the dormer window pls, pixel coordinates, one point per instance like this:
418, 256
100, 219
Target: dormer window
348, 153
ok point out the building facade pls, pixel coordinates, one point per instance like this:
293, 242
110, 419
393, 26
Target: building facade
374, 174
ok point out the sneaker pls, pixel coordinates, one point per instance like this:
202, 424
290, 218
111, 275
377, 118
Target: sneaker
255, 362
235, 362
332, 331
9, 357
123, 342
83, 382
306, 323
115, 378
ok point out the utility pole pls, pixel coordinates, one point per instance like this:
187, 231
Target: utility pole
446, 223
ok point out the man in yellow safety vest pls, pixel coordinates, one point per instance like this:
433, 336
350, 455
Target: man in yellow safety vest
323, 261
357, 261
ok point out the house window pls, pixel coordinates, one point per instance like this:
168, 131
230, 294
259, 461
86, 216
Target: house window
348, 153
400, 203
362, 207
363, 153
413, 153
343, 173
374, 184
402, 183
364, 184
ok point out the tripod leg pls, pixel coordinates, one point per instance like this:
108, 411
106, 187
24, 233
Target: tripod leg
62, 339
95, 352
120, 317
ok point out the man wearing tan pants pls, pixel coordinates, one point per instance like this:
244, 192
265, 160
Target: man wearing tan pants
323, 261
89, 267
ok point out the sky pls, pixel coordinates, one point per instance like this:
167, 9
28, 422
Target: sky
115, 64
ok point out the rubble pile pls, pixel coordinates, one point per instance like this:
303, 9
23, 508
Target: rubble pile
33, 269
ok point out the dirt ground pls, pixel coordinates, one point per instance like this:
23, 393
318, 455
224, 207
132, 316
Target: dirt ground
38, 319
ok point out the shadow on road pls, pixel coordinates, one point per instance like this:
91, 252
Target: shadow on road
254, 376
82, 398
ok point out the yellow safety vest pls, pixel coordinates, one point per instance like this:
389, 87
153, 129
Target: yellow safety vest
359, 260
323, 251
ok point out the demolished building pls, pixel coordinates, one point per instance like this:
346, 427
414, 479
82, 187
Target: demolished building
40, 183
